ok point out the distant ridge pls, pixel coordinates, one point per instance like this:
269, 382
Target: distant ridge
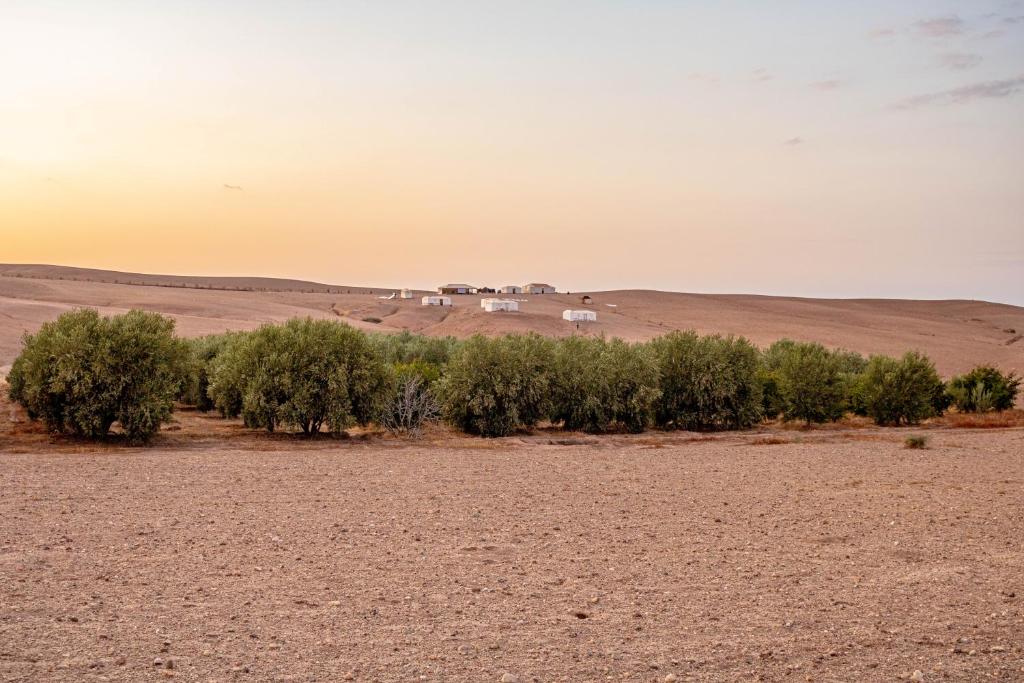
244, 284
956, 334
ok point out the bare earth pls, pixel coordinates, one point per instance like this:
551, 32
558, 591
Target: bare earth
779, 555
220, 554
956, 334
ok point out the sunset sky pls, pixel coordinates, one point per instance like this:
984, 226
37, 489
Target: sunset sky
814, 148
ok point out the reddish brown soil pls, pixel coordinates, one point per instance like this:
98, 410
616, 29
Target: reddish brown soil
779, 555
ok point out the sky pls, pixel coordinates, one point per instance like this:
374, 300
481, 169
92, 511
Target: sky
807, 148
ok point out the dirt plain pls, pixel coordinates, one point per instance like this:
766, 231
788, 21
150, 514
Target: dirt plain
220, 554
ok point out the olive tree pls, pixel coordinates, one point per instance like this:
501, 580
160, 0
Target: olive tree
707, 383
811, 383
82, 373
305, 373
601, 385
201, 351
495, 387
900, 391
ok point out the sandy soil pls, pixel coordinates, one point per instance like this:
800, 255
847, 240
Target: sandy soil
956, 334
781, 555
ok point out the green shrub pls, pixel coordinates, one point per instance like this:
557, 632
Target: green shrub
495, 387
601, 385
983, 389
406, 347
916, 442
305, 373
82, 373
899, 391
196, 370
811, 383
707, 382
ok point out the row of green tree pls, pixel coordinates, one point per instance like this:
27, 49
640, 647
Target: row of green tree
83, 373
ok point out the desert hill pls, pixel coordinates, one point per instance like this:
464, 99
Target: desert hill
957, 334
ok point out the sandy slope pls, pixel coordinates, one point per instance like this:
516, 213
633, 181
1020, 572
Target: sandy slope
956, 334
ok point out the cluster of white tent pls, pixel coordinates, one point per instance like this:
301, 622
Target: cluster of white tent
502, 305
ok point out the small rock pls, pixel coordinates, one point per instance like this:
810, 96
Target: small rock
509, 678
918, 675
669, 678
121, 661
158, 662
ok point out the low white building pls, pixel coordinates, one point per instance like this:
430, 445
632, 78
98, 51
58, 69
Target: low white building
575, 316
493, 305
437, 301
456, 289
511, 289
406, 294
538, 288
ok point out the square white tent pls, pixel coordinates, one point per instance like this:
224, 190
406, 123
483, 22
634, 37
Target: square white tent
576, 316
511, 289
493, 305
437, 301
406, 294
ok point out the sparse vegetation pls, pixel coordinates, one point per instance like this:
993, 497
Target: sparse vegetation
83, 373
916, 441
315, 375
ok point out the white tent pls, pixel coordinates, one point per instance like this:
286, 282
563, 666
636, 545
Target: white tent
492, 305
538, 288
406, 294
437, 301
579, 316
511, 289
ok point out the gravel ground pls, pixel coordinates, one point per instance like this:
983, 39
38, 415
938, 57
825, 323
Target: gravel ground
656, 558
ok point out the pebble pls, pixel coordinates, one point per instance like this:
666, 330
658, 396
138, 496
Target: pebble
157, 661
918, 675
509, 678
670, 678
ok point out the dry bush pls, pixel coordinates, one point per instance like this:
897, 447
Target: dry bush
916, 441
1002, 420
769, 441
411, 407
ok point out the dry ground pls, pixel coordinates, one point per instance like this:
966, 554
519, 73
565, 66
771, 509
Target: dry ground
780, 555
956, 334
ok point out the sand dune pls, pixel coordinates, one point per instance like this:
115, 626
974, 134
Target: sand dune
957, 334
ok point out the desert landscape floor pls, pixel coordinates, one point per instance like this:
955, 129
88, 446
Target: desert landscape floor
785, 556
